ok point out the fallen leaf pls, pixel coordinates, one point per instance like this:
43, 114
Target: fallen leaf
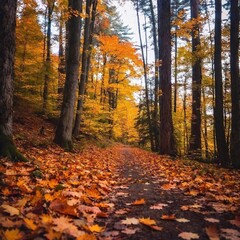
13, 234
168, 217
183, 220
122, 211
129, 221
158, 206
139, 202
147, 221
188, 235
87, 237
236, 221
212, 232
11, 210
30, 224
157, 228
96, 228
211, 220
61, 206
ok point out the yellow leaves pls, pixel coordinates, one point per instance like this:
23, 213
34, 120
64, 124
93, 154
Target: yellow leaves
139, 202
46, 219
13, 234
95, 228
30, 224
147, 221
11, 210
87, 237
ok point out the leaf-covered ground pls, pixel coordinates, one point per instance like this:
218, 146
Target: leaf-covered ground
116, 193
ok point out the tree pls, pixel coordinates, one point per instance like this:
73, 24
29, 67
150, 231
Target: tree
235, 84
222, 149
63, 135
167, 142
7, 52
195, 137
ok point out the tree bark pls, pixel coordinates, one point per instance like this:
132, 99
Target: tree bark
167, 142
91, 6
63, 136
145, 80
222, 149
7, 52
195, 137
48, 58
235, 84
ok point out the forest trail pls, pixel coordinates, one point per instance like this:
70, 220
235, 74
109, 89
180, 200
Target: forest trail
112, 193
166, 212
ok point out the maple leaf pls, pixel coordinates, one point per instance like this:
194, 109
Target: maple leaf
53, 235
168, 217
61, 206
147, 221
129, 221
46, 219
5, 222
188, 235
13, 234
212, 232
157, 228
122, 211
139, 202
95, 228
30, 224
11, 210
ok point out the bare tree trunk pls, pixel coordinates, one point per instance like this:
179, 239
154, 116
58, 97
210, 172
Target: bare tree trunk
145, 80
48, 59
205, 132
222, 149
7, 53
195, 138
167, 142
63, 135
235, 83
185, 116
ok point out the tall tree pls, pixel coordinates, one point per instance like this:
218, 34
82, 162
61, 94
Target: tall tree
91, 6
235, 83
222, 149
7, 52
195, 137
167, 142
145, 78
63, 136
50, 8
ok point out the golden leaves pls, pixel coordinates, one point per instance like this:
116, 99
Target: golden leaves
139, 202
13, 234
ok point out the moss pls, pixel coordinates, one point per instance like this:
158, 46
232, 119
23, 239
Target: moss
9, 150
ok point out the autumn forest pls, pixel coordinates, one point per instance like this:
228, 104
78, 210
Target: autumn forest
105, 137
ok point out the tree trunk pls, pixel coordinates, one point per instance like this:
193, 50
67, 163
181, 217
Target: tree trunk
195, 138
63, 136
86, 53
7, 52
48, 59
222, 149
235, 84
167, 142
145, 80
205, 127
156, 77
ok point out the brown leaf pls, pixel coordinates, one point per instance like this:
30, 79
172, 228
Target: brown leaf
139, 202
129, 221
61, 206
13, 234
168, 217
11, 210
212, 232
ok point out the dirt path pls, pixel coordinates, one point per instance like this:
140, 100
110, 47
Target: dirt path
193, 215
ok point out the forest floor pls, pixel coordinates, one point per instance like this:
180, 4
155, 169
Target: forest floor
113, 193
